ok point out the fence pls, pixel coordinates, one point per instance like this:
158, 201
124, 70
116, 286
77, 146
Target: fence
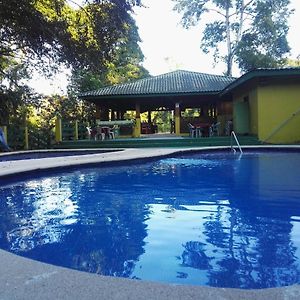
34, 137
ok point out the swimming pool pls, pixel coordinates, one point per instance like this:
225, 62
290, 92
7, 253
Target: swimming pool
206, 219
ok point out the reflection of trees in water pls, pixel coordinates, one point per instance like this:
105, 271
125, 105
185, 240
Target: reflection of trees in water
106, 237
115, 240
248, 243
249, 251
194, 255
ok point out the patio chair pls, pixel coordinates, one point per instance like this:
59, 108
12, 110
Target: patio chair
214, 129
111, 133
192, 130
89, 132
115, 130
100, 135
228, 127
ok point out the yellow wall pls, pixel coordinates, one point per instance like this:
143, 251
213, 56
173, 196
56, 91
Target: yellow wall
252, 94
276, 104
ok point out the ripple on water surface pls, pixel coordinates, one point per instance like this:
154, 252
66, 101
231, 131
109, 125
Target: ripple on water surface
205, 219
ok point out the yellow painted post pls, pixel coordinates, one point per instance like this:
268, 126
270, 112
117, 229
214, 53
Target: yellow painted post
58, 129
26, 137
177, 119
76, 131
137, 128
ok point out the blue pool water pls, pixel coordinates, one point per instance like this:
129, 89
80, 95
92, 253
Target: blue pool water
204, 219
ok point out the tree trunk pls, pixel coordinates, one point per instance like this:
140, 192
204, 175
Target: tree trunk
228, 38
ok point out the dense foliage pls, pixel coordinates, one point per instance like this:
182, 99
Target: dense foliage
97, 39
251, 32
88, 36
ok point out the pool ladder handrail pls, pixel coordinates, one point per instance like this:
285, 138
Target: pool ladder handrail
233, 135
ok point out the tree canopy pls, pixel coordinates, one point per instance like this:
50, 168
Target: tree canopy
252, 33
87, 36
96, 38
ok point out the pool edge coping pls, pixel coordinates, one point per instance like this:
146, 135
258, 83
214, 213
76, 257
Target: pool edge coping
10, 168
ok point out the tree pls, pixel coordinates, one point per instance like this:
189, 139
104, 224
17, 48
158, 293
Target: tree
294, 63
97, 37
13, 92
253, 31
84, 37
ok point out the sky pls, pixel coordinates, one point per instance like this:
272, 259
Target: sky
167, 46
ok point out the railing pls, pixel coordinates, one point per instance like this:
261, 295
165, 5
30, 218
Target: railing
233, 136
280, 126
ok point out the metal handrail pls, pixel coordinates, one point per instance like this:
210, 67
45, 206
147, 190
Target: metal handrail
236, 140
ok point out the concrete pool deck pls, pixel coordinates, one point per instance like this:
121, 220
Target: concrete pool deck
22, 278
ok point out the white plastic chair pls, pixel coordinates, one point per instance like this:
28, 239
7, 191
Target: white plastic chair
214, 129
99, 134
192, 130
89, 132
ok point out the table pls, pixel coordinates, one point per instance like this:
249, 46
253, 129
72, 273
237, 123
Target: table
202, 129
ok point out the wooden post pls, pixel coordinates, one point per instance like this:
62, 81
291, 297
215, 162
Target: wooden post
149, 116
26, 137
137, 128
177, 119
76, 131
98, 114
58, 129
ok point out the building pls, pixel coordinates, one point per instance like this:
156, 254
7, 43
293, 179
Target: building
262, 102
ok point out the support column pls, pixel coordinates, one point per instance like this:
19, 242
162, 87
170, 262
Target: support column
26, 139
76, 130
149, 116
137, 128
177, 119
58, 129
98, 113
113, 115
104, 114
119, 115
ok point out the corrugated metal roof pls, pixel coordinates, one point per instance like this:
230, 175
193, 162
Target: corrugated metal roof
262, 72
177, 82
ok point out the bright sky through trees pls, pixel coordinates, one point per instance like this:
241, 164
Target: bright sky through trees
167, 46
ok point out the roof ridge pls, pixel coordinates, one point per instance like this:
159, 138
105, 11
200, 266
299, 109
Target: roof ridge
195, 72
172, 82
160, 75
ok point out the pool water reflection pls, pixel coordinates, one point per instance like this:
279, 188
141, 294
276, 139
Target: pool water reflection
205, 219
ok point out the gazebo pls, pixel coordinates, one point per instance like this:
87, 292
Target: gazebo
175, 91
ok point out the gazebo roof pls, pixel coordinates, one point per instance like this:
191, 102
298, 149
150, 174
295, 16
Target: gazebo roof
173, 83
190, 89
